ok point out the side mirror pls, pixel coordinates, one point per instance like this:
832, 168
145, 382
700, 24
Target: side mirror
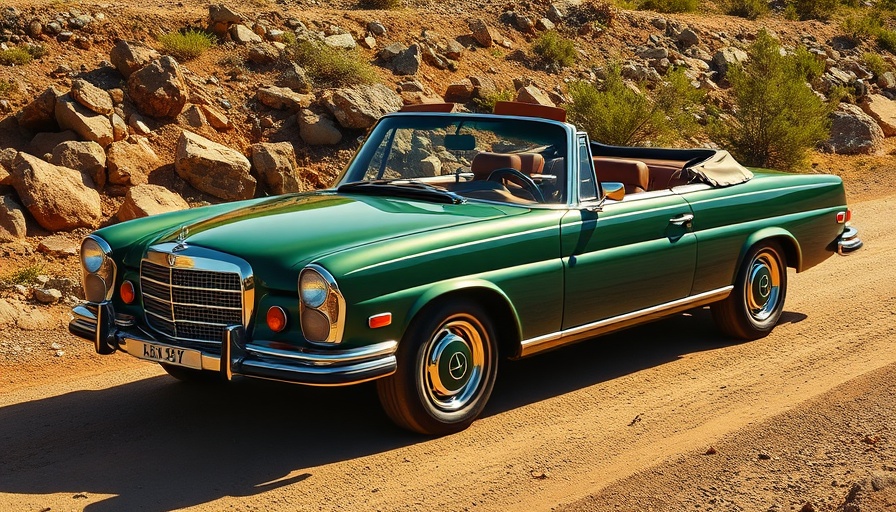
613, 190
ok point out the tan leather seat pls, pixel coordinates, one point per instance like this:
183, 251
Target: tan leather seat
633, 174
531, 163
485, 163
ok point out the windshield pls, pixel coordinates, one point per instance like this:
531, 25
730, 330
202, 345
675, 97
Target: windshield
507, 160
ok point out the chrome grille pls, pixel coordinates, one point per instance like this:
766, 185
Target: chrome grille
190, 304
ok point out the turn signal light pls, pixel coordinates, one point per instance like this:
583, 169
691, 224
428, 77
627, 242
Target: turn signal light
844, 217
127, 292
276, 318
381, 320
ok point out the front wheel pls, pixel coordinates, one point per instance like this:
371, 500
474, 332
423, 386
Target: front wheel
757, 301
447, 364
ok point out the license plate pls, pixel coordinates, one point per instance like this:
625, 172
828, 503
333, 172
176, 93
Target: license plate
165, 354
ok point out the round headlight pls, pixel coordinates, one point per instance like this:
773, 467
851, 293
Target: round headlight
313, 288
92, 255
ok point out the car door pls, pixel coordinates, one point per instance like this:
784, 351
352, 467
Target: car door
625, 256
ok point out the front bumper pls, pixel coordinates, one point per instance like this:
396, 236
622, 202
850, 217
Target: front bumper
849, 241
239, 355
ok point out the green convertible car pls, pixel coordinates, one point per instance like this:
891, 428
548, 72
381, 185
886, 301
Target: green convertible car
450, 241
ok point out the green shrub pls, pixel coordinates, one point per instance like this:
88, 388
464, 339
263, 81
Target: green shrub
886, 39
17, 56
332, 67
187, 44
778, 117
554, 49
380, 4
875, 63
616, 114
813, 9
807, 65
669, 5
862, 27
6, 89
750, 9
25, 275
487, 104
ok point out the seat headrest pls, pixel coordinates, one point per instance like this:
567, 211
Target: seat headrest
484, 163
532, 163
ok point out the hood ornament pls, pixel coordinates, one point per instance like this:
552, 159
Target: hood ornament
181, 239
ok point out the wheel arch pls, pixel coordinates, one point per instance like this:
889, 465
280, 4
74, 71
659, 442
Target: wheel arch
793, 255
487, 295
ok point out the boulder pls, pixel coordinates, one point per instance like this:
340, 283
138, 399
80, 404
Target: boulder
12, 220
145, 200
216, 118
213, 168
483, 86
687, 38
7, 157
275, 163
484, 34
263, 54
220, 13
883, 110
130, 161
854, 132
87, 156
454, 50
130, 56
376, 28
359, 107
92, 97
344, 41
43, 143
58, 198
283, 98
119, 127
318, 130
193, 117
159, 88
460, 92
57, 246
391, 51
434, 59
295, 78
532, 94
727, 57
89, 125
40, 114
241, 34
407, 62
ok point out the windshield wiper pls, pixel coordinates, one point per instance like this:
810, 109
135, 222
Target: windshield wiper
411, 189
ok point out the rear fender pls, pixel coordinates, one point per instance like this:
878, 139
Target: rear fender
788, 242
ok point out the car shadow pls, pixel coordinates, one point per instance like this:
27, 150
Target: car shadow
157, 444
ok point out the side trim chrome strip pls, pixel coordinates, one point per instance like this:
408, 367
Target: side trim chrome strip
333, 357
575, 334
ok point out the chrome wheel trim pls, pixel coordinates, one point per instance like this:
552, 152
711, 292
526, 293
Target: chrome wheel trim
454, 364
763, 288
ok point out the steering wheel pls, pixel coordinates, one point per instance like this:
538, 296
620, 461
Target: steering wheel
520, 179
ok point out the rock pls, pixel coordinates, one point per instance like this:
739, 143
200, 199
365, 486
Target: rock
485, 35
483, 86
295, 78
854, 132
119, 128
130, 56
883, 111
87, 156
275, 163
523, 23
376, 28
91, 97
687, 38
39, 115
344, 41
159, 88
241, 34
216, 118
12, 220
545, 24
130, 161
459, 92
434, 59
36, 320
454, 50
726, 57
887, 81
58, 198
8, 313
431, 166
58, 246
193, 117
213, 168
138, 124
89, 125
44, 142
532, 94
145, 200
318, 130
220, 13
263, 54
368, 42
281, 98
359, 107
408, 61
391, 51
653, 53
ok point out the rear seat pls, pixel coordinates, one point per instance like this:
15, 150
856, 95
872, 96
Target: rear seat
633, 174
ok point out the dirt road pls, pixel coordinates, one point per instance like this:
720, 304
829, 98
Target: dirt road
623, 423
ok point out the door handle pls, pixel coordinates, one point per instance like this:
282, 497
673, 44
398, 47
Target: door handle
682, 220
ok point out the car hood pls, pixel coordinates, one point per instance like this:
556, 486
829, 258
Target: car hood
292, 230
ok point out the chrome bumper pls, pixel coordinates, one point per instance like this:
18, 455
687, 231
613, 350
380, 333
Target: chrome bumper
239, 356
849, 241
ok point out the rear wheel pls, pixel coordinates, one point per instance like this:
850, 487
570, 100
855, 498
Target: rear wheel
757, 301
190, 375
447, 364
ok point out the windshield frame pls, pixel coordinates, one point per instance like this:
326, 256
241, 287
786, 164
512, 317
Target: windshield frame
367, 150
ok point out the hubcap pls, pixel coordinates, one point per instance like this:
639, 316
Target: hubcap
452, 371
763, 286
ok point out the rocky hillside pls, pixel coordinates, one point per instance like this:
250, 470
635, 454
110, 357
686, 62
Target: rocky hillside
104, 122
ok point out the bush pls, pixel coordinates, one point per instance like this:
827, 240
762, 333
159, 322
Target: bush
875, 63
669, 5
17, 56
778, 117
380, 4
7, 88
807, 65
886, 39
25, 275
858, 28
187, 44
332, 67
487, 104
616, 114
812, 9
553, 49
750, 9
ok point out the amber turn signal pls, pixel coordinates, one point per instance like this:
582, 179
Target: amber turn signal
381, 320
127, 292
276, 318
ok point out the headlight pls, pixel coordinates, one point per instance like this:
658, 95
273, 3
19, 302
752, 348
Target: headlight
92, 255
313, 288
